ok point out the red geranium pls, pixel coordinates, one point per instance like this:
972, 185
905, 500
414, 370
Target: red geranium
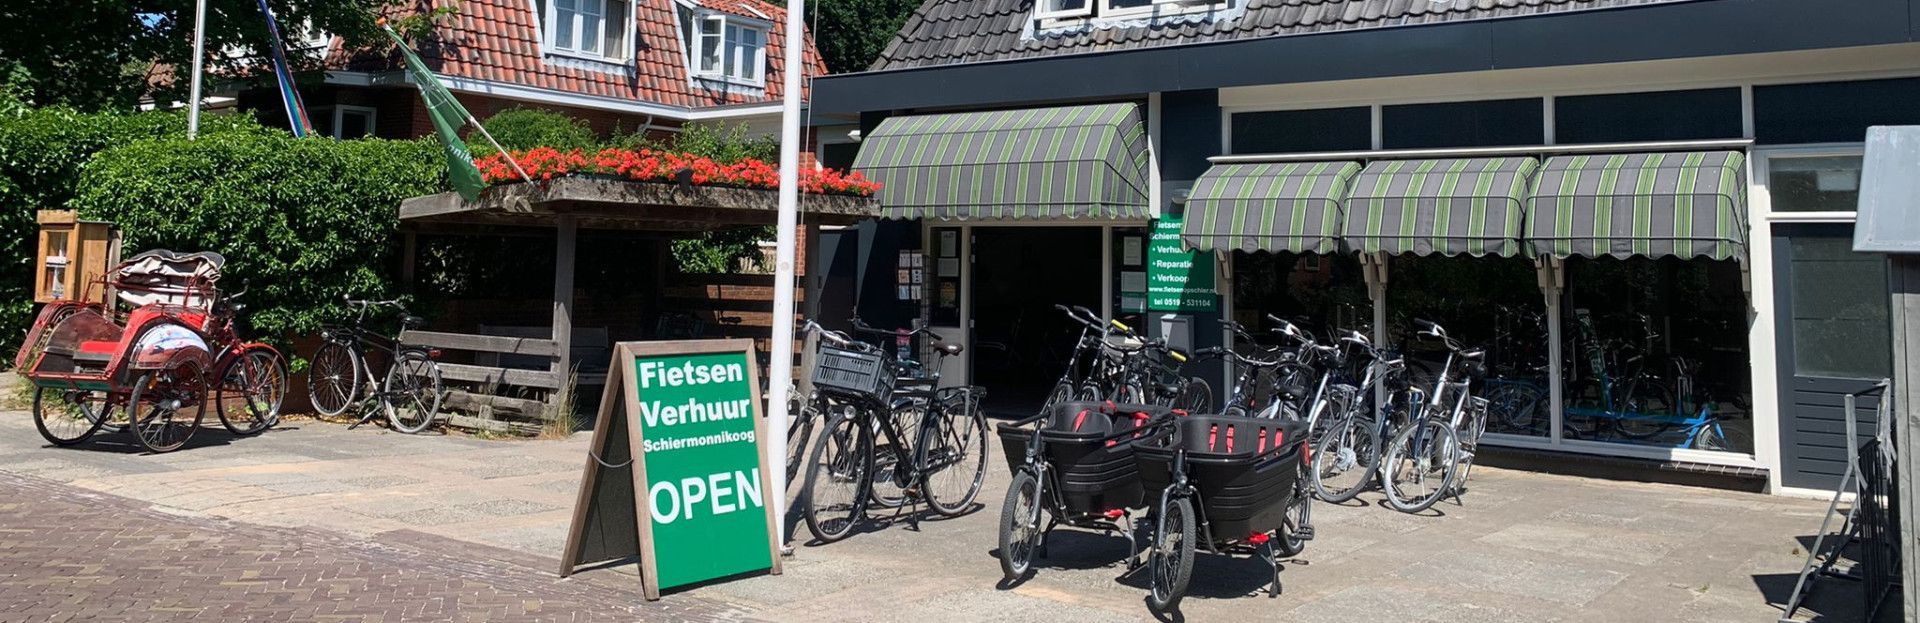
646, 165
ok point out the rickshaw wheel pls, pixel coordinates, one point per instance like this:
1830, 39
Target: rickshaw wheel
1171, 563
69, 416
1020, 525
1288, 544
252, 387
160, 402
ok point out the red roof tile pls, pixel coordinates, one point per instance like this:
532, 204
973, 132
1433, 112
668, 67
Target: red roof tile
496, 40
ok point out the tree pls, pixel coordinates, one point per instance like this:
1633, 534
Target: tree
106, 54
852, 33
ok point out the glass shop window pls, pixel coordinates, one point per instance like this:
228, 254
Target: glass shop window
1493, 303
1320, 292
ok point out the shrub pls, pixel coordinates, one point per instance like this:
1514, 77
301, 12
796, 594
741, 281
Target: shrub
527, 128
42, 154
719, 143
305, 221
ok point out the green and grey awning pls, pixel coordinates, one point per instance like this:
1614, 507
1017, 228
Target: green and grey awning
1278, 207
1070, 162
1684, 204
1470, 206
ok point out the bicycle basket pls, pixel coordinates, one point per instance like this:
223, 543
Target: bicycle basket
852, 373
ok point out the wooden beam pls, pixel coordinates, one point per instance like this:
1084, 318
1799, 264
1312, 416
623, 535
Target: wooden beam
481, 343
567, 234
539, 379
474, 402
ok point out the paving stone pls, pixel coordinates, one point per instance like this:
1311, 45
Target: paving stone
1481, 570
1402, 605
1609, 545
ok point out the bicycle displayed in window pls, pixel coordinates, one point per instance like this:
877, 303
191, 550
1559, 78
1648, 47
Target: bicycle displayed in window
891, 435
341, 377
1624, 397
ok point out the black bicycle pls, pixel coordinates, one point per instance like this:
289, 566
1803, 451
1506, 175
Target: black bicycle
1073, 382
340, 376
873, 399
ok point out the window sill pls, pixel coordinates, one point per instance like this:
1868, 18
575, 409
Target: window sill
725, 81
589, 62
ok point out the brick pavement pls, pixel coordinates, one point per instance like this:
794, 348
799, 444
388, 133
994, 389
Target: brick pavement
71, 554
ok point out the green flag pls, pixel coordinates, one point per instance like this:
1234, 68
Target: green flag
448, 115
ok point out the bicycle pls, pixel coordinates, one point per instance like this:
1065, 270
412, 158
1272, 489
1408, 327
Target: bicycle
1071, 382
1346, 457
411, 394
1437, 444
1256, 387
944, 461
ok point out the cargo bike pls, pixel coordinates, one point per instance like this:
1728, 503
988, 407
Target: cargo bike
1073, 466
1225, 485
152, 368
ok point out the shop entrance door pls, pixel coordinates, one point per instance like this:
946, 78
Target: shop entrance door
1020, 342
1834, 339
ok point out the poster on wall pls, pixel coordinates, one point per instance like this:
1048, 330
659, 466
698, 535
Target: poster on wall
1177, 279
674, 476
1130, 251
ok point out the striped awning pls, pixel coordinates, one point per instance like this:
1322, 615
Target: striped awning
1684, 204
1279, 206
1038, 163
1470, 206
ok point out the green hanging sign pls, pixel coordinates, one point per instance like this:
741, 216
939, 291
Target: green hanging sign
1177, 279
677, 472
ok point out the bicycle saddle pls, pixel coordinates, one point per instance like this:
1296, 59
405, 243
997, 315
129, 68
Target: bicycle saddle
948, 349
1474, 354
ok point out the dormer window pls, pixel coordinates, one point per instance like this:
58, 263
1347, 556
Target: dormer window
1062, 12
594, 29
728, 48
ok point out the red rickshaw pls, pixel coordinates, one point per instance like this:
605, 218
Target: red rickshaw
151, 369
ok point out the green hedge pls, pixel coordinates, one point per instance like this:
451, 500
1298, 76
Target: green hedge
527, 128
305, 221
42, 153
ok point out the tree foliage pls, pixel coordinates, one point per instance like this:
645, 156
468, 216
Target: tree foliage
101, 54
43, 152
520, 128
851, 34
304, 221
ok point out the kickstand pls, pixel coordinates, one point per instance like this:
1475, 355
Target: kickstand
1273, 558
367, 413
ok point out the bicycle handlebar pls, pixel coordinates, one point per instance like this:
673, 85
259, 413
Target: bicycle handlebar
863, 327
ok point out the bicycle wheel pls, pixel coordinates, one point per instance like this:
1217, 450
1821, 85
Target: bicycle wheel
1648, 408
1419, 469
69, 416
1299, 516
1196, 396
1171, 561
1514, 407
838, 471
252, 386
1091, 392
1020, 525
412, 392
1344, 460
164, 423
887, 491
954, 461
1063, 391
1129, 393
1587, 416
333, 379
799, 436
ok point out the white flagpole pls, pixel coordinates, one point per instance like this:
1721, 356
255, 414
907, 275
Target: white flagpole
783, 273
199, 58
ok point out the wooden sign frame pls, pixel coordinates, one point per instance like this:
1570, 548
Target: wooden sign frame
619, 436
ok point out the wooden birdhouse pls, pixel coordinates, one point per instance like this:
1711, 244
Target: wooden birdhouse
73, 253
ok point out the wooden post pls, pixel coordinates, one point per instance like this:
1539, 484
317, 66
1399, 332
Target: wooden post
814, 274
567, 230
1905, 394
409, 259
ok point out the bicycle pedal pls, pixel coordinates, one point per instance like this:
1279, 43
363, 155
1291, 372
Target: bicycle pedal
1304, 533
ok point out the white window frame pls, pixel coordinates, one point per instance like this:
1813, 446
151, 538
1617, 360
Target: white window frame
544, 20
337, 113
1104, 9
1040, 14
310, 38
727, 24
1762, 159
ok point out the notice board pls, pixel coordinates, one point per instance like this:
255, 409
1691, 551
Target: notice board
1177, 279
675, 472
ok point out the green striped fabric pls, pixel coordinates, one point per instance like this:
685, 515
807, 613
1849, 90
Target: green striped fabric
1277, 207
1038, 163
1470, 206
1684, 204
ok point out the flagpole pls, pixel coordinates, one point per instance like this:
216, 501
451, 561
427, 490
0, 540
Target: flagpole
781, 370
469, 117
199, 58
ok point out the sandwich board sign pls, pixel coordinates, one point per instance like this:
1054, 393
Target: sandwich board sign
675, 472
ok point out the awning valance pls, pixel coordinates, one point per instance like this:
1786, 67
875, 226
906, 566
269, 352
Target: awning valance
1039, 163
1684, 204
1277, 206
1470, 206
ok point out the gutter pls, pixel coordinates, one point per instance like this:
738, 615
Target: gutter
522, 92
